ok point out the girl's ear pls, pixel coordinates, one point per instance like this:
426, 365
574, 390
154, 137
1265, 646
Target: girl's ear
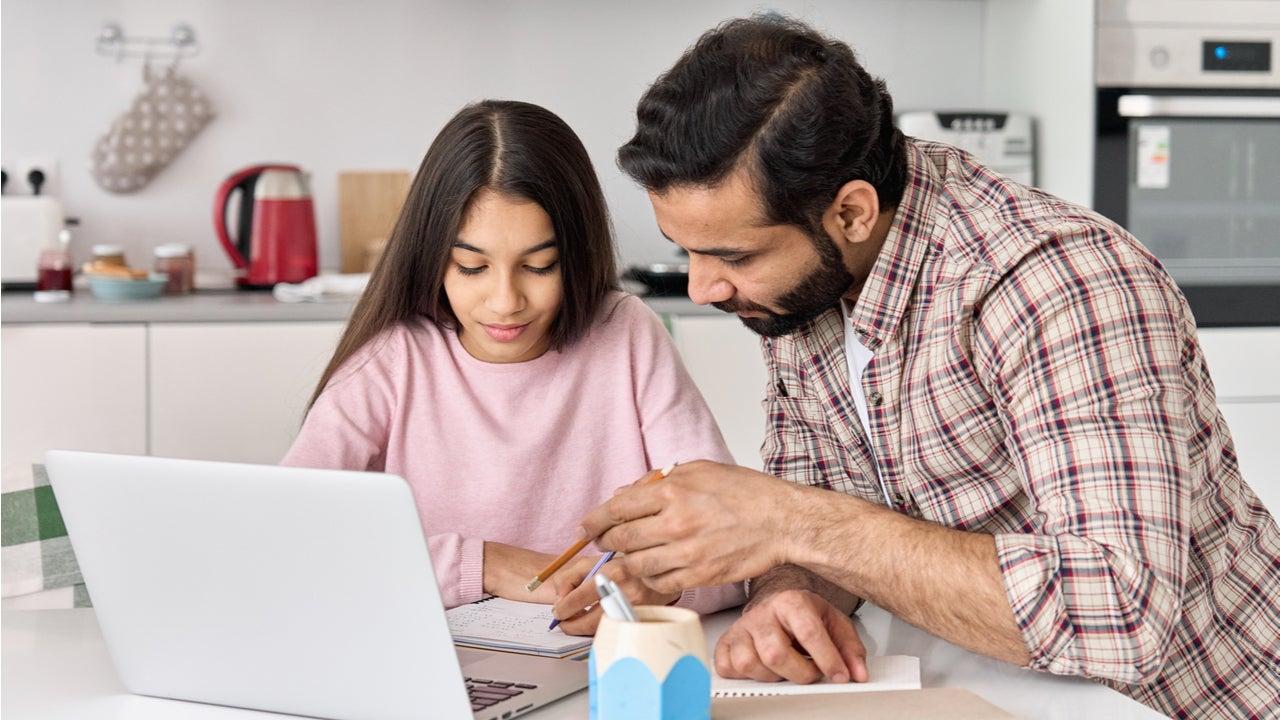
853, 213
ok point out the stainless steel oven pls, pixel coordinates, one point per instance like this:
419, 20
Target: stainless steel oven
1188, 145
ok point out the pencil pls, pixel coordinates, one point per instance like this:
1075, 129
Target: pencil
567, 555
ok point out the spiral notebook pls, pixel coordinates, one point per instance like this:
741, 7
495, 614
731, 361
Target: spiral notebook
512, 626
884, 672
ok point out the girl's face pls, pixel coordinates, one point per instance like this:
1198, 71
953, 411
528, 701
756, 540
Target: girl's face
504, 279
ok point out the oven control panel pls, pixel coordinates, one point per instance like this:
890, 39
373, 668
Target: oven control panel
1184, 57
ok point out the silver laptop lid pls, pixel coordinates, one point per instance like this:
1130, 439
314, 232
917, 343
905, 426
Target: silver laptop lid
252, 586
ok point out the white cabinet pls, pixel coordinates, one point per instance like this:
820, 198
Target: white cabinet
72, 386
234, 391
215, 391
725, 361
1243, 363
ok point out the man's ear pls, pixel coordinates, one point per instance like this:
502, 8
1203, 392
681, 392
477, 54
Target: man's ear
853, 213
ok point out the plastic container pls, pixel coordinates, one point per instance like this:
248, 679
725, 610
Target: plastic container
178, 262
109, 255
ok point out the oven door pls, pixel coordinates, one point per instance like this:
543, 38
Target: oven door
1195, 176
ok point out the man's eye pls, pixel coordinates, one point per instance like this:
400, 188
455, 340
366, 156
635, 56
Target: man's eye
734, 260
465, 270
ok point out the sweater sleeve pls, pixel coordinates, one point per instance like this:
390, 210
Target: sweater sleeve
348, 429
676, 424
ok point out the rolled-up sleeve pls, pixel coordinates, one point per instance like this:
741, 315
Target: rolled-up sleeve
1096, 416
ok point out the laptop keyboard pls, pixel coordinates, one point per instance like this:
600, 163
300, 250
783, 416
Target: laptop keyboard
487, 693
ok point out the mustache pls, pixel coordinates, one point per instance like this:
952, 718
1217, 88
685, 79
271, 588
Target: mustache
732, 306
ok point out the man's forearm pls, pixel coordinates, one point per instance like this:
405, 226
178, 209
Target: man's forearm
942, 580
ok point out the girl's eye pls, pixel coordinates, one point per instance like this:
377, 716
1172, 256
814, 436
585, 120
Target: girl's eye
464, 270
544, 270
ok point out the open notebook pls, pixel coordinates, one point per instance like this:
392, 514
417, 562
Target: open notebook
885, 672
512, 626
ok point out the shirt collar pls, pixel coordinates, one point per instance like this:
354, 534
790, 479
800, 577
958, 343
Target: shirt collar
888, 290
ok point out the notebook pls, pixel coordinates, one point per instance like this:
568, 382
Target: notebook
884, 672
512, 626
292, 590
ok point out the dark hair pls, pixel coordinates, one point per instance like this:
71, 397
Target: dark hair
774, 97
518, 150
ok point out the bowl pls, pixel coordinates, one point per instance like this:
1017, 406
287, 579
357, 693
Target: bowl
115, 289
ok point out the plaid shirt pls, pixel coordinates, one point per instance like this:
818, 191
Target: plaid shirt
1037, 377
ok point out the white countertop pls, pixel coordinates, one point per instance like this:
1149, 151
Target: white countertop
220, 306
56, 667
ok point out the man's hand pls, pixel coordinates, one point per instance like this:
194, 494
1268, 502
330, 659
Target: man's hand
794, 635
705, 524
578, 604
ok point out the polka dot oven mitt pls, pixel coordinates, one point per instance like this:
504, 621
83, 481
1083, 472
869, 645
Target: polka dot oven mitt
142, 141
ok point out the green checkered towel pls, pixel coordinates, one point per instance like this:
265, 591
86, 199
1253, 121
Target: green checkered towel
36, 552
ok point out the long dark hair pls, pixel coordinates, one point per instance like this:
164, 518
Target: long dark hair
774, 97
515, 149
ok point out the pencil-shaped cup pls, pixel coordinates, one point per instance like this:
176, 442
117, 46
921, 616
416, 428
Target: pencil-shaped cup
654, 669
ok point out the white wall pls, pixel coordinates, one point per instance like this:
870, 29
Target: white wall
1039, 59
334, 86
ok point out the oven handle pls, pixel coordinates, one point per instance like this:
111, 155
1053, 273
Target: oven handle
1135, 106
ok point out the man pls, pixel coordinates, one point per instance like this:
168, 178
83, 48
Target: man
1004, 391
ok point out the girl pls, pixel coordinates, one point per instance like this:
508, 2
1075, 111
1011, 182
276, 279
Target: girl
492, 363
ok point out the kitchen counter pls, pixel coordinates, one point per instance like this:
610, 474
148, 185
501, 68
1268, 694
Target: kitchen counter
200, 306
220, 306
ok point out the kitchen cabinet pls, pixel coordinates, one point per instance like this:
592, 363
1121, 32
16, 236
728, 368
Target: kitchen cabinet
725, 361
1243, 363
233, 391
72, 386
215, 391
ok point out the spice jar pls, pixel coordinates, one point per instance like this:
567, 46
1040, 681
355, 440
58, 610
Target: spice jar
109, 255
177, 261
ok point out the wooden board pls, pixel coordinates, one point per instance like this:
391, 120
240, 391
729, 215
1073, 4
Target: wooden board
369, 203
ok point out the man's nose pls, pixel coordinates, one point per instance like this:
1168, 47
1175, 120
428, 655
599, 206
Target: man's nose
706, 285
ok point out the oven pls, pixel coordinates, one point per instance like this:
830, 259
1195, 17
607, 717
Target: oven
1188, 146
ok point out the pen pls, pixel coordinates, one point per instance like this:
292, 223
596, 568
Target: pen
577, 547
615, 604
595, 569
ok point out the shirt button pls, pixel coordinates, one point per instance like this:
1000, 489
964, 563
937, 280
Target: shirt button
876, 398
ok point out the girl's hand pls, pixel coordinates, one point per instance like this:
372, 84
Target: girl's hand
578, 604
508, 570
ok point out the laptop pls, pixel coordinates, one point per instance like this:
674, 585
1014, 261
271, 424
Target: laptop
291, 590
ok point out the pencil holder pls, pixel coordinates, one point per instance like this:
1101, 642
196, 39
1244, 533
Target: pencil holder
657, 668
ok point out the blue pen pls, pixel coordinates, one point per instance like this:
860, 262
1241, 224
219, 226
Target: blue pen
595, 569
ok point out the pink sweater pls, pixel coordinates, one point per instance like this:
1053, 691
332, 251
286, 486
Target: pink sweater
514, 453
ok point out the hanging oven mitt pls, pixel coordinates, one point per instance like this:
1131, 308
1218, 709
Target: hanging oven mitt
162, 120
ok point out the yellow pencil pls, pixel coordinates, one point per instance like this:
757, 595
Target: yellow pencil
567, 555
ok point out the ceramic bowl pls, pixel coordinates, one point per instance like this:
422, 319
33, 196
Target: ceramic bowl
114, 289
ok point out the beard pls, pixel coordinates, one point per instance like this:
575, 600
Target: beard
813, 295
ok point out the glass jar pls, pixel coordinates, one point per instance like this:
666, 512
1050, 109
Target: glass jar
53, 270
178, 262
109, 255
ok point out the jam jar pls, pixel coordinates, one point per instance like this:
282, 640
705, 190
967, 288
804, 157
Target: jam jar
177, 261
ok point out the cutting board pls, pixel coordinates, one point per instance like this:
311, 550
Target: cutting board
369, 203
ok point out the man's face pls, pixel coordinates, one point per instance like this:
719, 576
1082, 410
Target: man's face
775, 278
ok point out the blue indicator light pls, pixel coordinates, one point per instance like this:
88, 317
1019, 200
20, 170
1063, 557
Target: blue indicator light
1220, 52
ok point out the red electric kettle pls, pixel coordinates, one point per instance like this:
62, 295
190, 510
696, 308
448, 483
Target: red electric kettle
276, 238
